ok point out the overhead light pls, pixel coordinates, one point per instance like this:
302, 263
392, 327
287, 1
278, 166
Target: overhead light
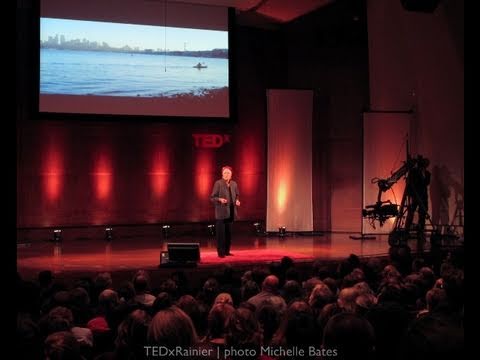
166, 231
57, 235
258, 228
109, 234
211, 229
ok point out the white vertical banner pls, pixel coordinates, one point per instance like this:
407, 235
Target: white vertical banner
289, 160
385, 138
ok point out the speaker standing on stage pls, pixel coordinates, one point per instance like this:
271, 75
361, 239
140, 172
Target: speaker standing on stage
225, 198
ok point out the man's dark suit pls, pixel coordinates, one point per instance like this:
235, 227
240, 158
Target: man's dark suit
224, 213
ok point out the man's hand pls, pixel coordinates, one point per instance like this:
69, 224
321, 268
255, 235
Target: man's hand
222, 200
237, 202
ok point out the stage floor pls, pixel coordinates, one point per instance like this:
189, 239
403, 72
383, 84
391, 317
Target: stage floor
92, 255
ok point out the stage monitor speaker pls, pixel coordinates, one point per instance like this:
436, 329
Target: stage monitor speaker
426, 6
180, 254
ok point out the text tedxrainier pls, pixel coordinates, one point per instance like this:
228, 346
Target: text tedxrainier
218, 353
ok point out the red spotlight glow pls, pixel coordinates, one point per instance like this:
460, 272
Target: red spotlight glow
53, 173
203, 173
282, 184
159, 176
103, 177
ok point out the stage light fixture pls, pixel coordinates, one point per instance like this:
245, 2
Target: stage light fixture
166, 231
109, 234
282, 231
57, 235
258, 228
211, 229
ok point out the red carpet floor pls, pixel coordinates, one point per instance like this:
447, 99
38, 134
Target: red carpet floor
60, 261
250, 256
126, 254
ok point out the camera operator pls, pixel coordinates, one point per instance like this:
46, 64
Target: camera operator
417, 193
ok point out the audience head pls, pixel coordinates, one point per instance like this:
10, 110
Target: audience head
162, 301
352, 336
59, 319
292, 290
223, 298
107, 300
132, 332
299, 325
171, 327
196, 311
243, 331
346, 299
320, 296
249, 289
103, 281
436, 299
62, 345
270, 284
217, 319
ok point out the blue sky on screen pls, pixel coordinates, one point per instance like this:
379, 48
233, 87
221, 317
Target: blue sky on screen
142, 36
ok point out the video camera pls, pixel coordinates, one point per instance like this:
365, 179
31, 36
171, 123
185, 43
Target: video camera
380, 211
